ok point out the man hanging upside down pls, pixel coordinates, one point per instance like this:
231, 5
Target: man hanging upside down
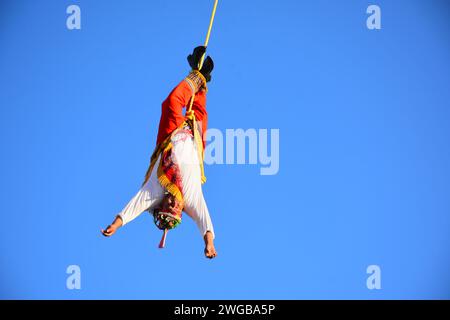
173, 180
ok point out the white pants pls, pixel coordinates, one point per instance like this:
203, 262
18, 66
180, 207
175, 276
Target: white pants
184, 154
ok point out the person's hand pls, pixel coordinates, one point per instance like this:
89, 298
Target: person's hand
112, 228
109, 231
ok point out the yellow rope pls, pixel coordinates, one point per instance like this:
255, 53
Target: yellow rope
200, 65
211, 21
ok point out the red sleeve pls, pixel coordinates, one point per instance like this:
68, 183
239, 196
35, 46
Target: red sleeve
172, 110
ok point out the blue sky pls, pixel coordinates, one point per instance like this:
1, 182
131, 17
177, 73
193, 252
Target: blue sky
364, 173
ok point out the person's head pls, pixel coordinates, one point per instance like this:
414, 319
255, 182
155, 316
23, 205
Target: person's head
167, 215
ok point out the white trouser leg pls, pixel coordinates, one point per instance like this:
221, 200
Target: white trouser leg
185, 155
147, 197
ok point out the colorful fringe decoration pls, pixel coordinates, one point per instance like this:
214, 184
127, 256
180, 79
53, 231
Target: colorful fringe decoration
166, 173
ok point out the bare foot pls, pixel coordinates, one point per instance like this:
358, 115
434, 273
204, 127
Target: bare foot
112, 228
210, 250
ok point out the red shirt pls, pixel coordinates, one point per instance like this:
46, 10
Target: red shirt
172, 111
